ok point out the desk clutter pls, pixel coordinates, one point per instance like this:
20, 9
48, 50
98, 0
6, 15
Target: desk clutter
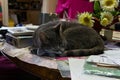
95, 67
19, 36
77, 68
19, 41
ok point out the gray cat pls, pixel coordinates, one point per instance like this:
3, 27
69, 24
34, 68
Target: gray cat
64, 38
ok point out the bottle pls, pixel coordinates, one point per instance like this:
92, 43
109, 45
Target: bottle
11, 23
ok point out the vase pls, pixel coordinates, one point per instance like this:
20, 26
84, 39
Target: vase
108, 34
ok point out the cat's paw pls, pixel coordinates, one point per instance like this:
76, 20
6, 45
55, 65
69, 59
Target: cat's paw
67, 53
64, 54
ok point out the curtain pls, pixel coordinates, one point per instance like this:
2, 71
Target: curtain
0, 15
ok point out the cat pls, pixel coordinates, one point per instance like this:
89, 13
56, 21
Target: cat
66, 38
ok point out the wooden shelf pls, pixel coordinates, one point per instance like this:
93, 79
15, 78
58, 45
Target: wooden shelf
25, 9
23, 0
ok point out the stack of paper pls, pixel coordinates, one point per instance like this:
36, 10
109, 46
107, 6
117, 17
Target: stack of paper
107, 64
110, 57
77, 71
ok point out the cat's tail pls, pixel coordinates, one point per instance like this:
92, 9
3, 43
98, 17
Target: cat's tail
84, 52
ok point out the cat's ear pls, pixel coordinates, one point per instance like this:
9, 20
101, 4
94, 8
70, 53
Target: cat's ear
43, 37
58, 28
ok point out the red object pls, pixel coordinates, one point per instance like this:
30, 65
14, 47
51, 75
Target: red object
73, 7
9, 71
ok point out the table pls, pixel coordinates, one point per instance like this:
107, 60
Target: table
43, 68
44, 73
39, 71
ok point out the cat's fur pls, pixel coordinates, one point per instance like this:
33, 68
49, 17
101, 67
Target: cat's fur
62, 38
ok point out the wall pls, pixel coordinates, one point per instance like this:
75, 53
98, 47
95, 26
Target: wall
5, 11
49, 6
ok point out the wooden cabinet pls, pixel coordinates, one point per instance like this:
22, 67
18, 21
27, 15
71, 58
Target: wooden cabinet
27, 11
33, 16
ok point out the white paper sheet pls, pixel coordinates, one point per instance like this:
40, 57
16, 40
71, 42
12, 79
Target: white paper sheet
111, 57
77, 73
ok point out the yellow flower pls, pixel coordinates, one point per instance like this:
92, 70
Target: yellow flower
106, 18
109, 5
85, 19
104, 22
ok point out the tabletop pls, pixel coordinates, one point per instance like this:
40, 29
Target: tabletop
49, 72
45, 68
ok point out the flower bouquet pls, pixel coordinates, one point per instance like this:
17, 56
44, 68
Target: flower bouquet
106, 13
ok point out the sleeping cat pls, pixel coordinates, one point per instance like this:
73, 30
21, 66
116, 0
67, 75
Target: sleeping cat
63, 38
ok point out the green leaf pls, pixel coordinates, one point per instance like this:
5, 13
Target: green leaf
97, 7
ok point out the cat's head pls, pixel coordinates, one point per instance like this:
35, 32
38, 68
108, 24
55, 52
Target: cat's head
52, 39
